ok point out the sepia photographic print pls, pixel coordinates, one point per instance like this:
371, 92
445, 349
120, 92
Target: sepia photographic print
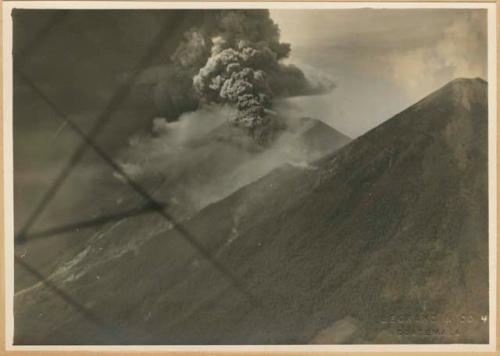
250, 176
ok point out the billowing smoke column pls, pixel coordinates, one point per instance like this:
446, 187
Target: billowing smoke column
237, 75
235, 57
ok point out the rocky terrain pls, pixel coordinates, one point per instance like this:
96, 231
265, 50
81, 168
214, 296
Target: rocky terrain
382, 241
186, 176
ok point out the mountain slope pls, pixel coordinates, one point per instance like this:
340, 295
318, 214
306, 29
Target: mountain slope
188, 175
377, 243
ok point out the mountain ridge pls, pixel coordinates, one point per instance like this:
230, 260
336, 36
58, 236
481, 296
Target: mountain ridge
392, 225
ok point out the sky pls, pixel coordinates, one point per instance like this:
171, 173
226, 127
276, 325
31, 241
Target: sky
381, 60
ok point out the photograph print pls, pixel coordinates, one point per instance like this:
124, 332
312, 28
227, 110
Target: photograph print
249, 174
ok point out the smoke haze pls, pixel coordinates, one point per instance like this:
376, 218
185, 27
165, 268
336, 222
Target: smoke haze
234, 57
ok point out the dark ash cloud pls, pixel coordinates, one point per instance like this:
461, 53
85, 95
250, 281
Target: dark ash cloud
234, 57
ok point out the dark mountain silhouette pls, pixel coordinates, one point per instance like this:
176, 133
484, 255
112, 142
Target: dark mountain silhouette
384, 241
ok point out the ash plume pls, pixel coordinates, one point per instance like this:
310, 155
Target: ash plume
234, 57
237, 76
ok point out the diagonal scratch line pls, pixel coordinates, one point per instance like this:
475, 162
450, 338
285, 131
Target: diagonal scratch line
101, 121
88, 142
141, 191
61, 293
90, 223
35, 42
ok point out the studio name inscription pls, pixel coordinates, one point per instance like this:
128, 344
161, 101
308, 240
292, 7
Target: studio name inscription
432, 324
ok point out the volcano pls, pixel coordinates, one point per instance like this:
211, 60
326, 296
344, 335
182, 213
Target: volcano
188, 176
383, 241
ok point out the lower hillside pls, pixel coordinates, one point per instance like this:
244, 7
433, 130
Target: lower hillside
384, 241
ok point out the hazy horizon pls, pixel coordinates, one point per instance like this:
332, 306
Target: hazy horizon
381, 60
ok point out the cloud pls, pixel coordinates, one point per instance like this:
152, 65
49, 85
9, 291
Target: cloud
459, 51
382, 60
234, 57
